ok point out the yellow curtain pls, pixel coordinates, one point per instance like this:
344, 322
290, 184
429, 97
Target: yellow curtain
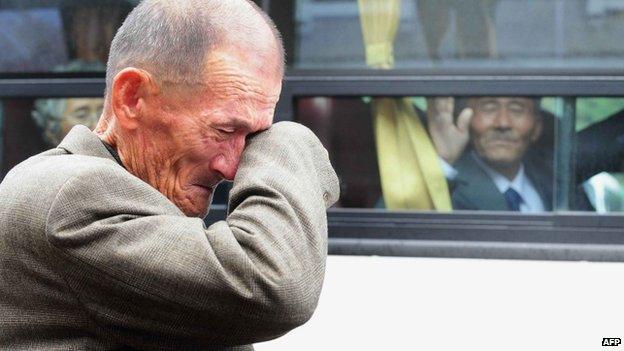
379, 20
411, 177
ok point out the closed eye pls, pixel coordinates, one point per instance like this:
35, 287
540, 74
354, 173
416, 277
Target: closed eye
227, 130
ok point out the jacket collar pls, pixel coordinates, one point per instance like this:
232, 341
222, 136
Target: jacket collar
81, 141
474, 184
485, 195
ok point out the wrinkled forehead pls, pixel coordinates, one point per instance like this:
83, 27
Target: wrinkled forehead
476, 103
228, 76
502, 100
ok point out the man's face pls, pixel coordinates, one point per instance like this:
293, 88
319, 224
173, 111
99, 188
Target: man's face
198, 131
503, 128
85, 111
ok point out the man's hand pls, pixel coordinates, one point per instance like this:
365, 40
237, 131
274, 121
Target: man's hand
449, 139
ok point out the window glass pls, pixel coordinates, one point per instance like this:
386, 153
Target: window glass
30, 126
58, 36
40, 36
467, 153
426, 34
600, 152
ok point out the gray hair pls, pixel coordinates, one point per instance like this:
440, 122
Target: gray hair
47, 114
172, 38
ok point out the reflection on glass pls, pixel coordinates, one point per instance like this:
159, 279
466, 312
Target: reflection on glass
55, 117
458, 33
24, 47
481, 147
37, 36
30, 126
472, 23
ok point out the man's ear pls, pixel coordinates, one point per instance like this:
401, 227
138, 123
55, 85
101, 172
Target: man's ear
130, 89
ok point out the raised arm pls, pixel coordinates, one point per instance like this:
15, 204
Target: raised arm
149, 276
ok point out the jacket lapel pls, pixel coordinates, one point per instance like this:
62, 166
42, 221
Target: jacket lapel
540, 181
474, 187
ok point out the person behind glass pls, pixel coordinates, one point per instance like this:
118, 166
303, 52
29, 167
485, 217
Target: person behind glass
103, 245
56, 117
484, 151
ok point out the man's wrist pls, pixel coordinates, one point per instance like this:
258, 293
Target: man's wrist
450, 173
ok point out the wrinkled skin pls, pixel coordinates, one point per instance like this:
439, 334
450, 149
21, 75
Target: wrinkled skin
502, 129
183, 139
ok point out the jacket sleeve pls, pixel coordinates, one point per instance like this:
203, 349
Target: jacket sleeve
151, 277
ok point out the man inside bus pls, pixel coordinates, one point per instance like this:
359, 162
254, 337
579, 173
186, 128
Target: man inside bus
56, 117
101, 244
484, 153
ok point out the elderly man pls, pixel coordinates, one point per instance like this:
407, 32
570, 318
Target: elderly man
101, 244
495, 173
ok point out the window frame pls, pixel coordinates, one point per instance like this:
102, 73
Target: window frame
572, 236
491, 235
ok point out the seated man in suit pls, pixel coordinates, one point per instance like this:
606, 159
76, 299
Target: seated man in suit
485, 153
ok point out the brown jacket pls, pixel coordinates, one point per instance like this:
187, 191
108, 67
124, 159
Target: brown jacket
93, 258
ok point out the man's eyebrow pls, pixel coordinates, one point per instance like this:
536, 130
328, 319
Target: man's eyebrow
486, 101
518, 102
82, 109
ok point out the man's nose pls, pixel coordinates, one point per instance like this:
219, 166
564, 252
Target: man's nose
227, 163
503, 120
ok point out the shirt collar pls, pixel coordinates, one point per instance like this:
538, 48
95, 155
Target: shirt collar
501, 182
113, 152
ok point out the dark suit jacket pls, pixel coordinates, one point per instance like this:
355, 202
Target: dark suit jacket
93, 258
473, 189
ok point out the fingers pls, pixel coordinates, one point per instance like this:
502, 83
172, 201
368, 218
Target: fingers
440, 109
444, 104
463, 120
